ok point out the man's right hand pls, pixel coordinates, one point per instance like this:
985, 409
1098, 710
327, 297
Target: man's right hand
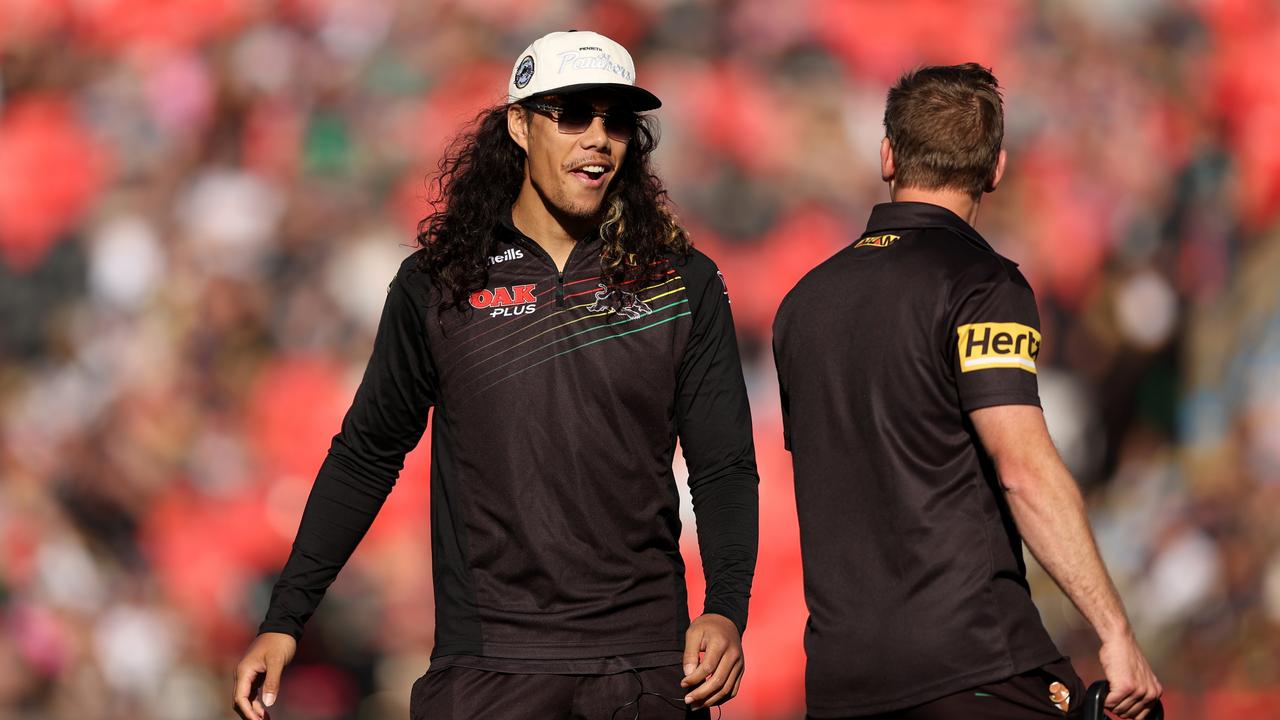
1133, 686
257, 678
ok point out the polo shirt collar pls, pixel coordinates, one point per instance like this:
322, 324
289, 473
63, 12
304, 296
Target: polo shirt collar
913, 215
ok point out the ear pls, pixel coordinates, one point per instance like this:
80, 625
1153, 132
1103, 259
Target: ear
518, 126
999, 174
886, 160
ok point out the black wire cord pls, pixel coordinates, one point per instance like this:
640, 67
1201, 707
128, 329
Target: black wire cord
673, 701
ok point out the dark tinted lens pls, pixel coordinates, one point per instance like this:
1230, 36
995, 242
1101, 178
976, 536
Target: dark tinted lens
574, 119
620, 125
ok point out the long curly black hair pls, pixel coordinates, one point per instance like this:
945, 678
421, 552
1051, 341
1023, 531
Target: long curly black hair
479, 179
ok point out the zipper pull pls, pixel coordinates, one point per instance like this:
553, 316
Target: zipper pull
560, 290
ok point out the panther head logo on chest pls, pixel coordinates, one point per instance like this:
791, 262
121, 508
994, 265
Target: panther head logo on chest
621, 302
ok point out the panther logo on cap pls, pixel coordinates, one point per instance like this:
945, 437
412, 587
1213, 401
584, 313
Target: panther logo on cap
524, 71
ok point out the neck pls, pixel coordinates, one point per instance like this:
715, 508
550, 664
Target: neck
554, 231
959, 202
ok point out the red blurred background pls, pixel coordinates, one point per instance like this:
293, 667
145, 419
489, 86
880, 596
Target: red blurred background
201, 203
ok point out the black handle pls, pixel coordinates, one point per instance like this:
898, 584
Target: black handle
1097, 694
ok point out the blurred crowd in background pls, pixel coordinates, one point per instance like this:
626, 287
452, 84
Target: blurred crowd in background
202, 203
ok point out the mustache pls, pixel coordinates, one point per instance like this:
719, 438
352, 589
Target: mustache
607, 163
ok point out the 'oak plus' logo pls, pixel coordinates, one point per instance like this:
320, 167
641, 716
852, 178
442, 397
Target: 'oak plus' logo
998, 345
504, 301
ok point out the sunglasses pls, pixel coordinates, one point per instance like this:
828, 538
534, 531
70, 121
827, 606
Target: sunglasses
575, 119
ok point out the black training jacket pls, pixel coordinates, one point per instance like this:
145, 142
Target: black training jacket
554, 510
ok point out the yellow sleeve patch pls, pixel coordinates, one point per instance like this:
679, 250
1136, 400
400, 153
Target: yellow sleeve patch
998, 345
876, 241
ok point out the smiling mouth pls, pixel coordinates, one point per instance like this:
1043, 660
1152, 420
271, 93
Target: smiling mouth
590, 173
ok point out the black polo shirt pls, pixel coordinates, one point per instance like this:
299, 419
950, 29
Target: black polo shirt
913, 567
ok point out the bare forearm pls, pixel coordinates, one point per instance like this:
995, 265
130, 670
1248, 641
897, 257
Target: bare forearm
1050, 515
1049, 512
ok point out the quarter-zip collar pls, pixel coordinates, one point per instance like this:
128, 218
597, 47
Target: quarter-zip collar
586, 244
912, 215
585, 247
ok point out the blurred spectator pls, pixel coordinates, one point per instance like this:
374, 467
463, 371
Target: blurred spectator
201, 203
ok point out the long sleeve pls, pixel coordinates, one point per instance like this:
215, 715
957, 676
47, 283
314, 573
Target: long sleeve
385, 421
714, 424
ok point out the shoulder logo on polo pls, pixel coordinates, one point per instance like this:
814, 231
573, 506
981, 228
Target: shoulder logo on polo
503, 301
880, 241
998, 345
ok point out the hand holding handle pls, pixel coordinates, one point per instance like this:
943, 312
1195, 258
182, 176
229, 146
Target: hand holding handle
1096, 695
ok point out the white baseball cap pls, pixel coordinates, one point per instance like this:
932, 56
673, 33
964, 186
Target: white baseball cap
572, 61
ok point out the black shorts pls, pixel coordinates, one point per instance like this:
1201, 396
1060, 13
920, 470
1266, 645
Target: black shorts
1021, 697
455, 693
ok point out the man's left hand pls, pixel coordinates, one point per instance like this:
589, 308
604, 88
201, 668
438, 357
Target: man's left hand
716, 676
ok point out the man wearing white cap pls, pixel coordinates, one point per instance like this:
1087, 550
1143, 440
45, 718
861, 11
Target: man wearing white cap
566, 334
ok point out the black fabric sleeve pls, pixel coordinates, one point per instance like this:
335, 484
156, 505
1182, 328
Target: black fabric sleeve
714, 423
386, 420
784, 394
993, 340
